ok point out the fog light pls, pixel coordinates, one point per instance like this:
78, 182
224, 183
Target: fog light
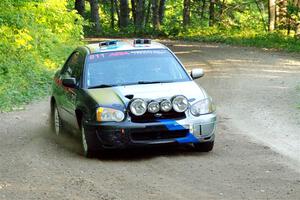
165, 105
153, 107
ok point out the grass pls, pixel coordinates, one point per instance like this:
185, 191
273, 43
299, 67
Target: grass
276, 40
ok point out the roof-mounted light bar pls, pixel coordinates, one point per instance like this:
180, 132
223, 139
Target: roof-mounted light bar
108, 43
141, 41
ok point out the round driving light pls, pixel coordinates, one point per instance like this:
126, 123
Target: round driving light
180, 103
153, 107
166, 105
138, 107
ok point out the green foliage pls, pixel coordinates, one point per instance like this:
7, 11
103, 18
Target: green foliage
35, 37
293, 13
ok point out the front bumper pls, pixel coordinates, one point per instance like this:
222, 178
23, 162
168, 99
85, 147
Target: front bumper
125, 134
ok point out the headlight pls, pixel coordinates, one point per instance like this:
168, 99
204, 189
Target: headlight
138, 107
180, 103
202, 107
153, 107
165, 105
109, 114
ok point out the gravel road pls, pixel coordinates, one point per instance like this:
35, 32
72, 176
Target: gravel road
256, 156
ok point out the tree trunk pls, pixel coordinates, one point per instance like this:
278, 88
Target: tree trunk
124, 14
118, 12
80, 7
282, 11
155, 17
203, 9
297, 31
297, 25
95, 15
186, 12
139, 14
133, 10
261, 10
222, 4
112, 13
212, 12
148, 13
161, 11
272, 14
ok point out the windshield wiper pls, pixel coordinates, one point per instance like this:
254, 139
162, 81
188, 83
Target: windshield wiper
151, 82
139, 82
101, 86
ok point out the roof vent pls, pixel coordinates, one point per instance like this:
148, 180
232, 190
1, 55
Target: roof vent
141, 41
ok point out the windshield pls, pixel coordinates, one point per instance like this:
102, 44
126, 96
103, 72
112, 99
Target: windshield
133, 67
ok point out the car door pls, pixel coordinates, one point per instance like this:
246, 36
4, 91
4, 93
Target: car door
72, 69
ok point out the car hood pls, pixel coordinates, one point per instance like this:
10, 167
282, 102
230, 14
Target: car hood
117, 95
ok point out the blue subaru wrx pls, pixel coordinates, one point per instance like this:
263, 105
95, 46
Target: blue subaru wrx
120, 94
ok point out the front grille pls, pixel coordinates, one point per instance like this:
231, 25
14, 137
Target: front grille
139, 135
150, 117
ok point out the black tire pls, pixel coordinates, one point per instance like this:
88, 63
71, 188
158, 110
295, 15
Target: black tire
90, 145
204, 147
56, 121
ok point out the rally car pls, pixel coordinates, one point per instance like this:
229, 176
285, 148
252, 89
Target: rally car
131, 93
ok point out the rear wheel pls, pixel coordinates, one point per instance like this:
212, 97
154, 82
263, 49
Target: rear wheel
204, 147
56, 121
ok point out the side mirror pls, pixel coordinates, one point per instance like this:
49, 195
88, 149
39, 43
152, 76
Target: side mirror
69, 82
197, 73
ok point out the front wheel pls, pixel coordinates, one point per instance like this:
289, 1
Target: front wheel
204, 147
90, 146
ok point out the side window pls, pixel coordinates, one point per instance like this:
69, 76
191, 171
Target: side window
80, 65
74, 66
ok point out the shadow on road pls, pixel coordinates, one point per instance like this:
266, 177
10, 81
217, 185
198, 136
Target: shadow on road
70, 143
140, 154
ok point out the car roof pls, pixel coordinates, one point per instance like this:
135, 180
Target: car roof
123, 45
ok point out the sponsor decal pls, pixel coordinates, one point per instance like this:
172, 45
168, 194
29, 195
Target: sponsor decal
143, 52
96, 56
121, 53
172, 125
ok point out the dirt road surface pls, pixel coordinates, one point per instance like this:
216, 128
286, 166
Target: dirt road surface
256, 156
